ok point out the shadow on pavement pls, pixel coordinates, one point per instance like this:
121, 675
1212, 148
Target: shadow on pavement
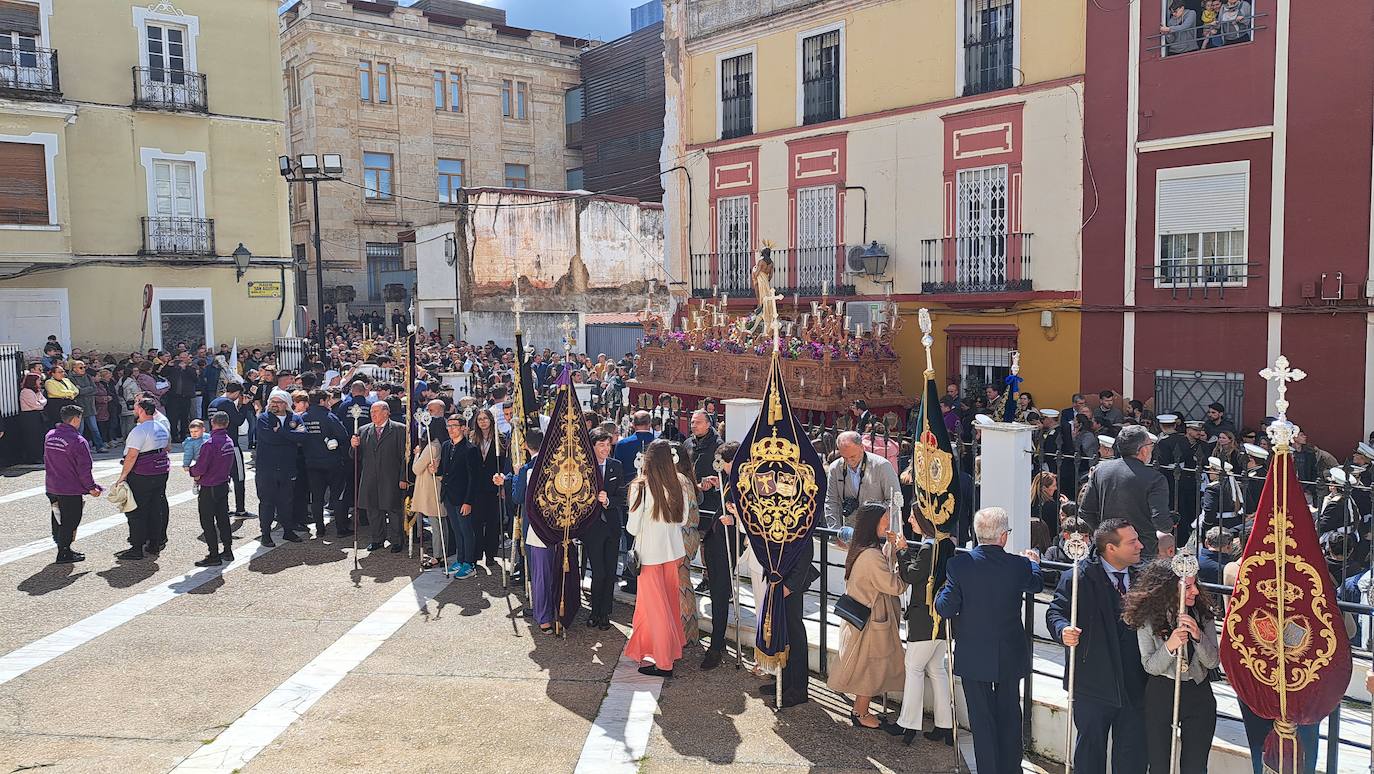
53, 577
126, 574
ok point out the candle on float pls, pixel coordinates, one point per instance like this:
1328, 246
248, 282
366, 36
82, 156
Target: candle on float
806, 318
715, 291
724, 300
859, 329
825, 288
839, 309
815, 309
846, 322
796, 300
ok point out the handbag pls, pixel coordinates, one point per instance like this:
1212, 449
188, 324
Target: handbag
852, 611
632, 563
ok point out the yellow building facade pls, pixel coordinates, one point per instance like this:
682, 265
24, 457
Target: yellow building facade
948, 133
140, 142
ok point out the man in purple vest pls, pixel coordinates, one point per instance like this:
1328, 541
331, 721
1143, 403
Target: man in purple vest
145, 470
67, 477
212, 469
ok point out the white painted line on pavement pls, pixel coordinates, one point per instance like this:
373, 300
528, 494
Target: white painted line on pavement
63, 641
620, 733
97, 472
260, 726
87, 529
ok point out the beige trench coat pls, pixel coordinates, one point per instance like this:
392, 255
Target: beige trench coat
872, 661
425, 498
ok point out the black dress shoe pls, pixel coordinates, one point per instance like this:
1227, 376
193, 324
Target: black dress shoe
909, 736
76, 556
703, 585
945, 735
269, 542
653, 671
130, 555
209, 561
226, 556
291, 536
712, 658
604, 625
375, 546
152, 549
64, 557
593, 622
397, 548
795, 701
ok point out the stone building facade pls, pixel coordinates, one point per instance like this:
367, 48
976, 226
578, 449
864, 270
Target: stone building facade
420, 101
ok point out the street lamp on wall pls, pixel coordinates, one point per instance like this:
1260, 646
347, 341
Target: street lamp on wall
875, 260
312, 168
242, 257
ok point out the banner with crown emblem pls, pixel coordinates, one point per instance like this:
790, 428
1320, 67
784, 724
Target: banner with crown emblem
935, 484
560, 500
779, 484
1283, 643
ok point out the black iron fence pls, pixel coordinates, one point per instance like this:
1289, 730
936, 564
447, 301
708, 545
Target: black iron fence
29, 73
178, 236
987, 263
159, 88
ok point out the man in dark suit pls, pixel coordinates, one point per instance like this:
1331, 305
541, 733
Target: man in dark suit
380, 447
280, 435
1109, 686
601, 541
1129, 488
715, 544
627, 451
324, 448
342, 506
983, 595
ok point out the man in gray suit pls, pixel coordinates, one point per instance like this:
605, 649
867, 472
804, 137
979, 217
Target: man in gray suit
380, 449
1128, 488
858, 477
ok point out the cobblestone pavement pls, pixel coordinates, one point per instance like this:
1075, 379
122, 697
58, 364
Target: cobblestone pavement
290, 661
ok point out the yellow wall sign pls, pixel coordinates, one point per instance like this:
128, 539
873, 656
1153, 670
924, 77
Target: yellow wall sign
264, 289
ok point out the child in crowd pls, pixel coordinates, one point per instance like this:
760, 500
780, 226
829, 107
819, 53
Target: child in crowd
191, 447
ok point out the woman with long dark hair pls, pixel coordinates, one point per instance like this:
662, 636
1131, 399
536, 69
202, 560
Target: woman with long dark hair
658, 510
488, 465
1045, 502
691, 543
32, 426
1151, 608
871, 659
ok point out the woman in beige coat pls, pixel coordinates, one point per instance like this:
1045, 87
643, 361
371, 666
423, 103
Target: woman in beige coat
871, 659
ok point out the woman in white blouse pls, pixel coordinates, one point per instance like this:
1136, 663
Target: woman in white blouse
658, 505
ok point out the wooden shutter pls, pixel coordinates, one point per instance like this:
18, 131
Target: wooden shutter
1216, 202
24, 186
19, 17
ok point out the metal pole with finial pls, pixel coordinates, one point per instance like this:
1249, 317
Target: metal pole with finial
568, 439
1185, 566
1076, 548
356, 412
719, 465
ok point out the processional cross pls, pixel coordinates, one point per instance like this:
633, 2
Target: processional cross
567, 327
1282, 431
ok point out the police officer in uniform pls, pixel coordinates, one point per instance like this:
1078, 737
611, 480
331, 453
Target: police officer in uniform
1176, 456
343, 499
325, 445
279, 435
1256, 468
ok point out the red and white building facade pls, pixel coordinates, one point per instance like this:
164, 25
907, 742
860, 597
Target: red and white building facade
1227, 194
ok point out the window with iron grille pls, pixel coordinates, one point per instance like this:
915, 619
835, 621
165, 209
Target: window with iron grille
989, 45
450, 180
821, 77
384, 264
377, 176
1200, 224
815, 239
980, 228
733, 241
182, 321
737, 96
1188, 393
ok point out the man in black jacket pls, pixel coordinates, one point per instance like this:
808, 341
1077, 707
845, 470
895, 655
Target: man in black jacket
181, 379
324, 447
1109, 685
453, 493
701, 449
601, 541
1128, 487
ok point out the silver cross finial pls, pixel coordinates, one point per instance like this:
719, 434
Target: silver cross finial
518, 306
567, 327
927, 340
1282, 431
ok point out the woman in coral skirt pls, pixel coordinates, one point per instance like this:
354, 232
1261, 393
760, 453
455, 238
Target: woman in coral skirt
658, 507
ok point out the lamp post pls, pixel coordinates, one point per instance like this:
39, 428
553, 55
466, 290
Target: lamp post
308, 169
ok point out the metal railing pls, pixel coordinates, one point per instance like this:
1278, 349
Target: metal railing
178, 236
1202, 276
737, 119
805, 271
1209, 36
159, 88
29, 73
993, 263
821, 98
988, 63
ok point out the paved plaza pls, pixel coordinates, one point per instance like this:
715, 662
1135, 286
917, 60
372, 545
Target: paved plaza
287, 661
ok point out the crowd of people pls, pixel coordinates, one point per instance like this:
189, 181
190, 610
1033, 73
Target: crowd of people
328, 441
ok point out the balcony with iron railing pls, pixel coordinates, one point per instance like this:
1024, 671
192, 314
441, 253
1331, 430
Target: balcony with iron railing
988, 63
178, 236
803, 271
993, 263
1200, 277
29, 74
158, 88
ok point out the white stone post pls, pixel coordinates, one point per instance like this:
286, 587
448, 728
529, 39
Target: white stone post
1006, 479
584, 395
740, 415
